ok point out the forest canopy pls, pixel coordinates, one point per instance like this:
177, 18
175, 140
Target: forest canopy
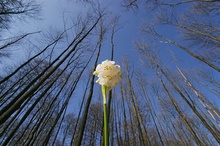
168, 52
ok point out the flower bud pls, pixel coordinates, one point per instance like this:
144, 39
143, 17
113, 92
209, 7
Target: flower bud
108, 73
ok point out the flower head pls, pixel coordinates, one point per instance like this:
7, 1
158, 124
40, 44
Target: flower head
109, 74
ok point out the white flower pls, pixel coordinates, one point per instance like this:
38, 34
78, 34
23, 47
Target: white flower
109, 74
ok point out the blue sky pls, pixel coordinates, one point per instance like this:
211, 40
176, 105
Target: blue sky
55, 12
130, 23
52, 18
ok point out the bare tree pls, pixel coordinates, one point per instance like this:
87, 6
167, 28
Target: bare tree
10, 9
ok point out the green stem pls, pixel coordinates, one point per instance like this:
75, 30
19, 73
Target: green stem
106, 137
106, 126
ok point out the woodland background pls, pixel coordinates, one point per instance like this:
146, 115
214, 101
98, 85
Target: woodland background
169, 53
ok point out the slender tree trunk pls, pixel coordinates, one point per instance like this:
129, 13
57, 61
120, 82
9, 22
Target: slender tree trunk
187, 50
15, 104
85, 113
